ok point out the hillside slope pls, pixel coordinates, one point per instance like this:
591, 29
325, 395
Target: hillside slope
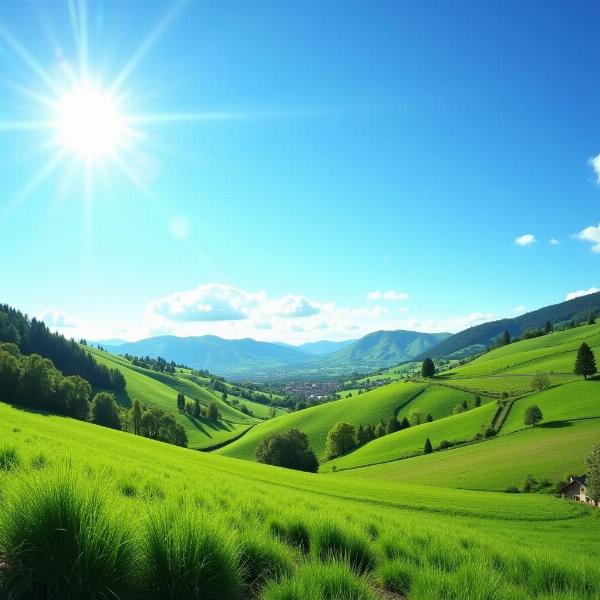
480, 336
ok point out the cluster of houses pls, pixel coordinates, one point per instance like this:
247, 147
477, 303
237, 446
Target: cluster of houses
577, 490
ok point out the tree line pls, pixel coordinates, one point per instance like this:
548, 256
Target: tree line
33, 337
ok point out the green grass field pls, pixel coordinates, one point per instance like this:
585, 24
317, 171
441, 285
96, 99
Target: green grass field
240, 529
316, 421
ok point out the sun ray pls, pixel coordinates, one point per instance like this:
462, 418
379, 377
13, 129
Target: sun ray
26, 125
190, 117
34, 183
27, 58
148, 44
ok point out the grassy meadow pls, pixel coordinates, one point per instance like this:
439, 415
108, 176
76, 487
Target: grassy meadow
157, 521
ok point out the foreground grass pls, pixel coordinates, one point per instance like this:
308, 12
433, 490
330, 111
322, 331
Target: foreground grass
156, 521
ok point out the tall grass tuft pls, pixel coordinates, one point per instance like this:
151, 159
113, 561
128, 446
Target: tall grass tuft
186, 556
263, 558
396, 576
9, 458
331, 581
292, 530
61, 539
331, 541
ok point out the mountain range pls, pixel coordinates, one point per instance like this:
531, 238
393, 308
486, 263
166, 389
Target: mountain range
248, 358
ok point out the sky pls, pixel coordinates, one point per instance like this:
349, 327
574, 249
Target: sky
296, 171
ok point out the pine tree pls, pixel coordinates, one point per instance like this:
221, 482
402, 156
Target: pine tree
548, 328
429, 418
477, 400
428, 449
585, 363
404, 424
505, 340
380, 429
137, 416
427, 368
197, 411
393, 425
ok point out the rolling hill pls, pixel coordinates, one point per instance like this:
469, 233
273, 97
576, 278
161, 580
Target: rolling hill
475, 339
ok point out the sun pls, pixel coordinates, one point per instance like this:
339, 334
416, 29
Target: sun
88, 122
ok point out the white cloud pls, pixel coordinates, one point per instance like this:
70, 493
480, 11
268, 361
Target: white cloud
554, 242
56, 319
580, 293
525, 240
179, 228
594, 162
291, 307
220, 302
519, 310
390, 295
591, 234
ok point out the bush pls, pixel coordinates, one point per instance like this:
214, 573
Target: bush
61, 540
185, 556
513, 489
331, 581
330, 542
341, 438
287, 449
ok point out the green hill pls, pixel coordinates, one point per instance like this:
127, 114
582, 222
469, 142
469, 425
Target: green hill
481, 336
218, 517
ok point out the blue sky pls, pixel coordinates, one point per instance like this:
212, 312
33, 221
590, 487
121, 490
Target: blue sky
326, 169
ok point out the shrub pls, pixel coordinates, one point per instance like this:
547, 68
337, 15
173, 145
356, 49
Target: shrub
61, 540
332, 581
263, 558
513, 489
329, 541
186, 556
341, 438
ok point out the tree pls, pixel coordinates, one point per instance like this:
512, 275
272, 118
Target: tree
213, 412
289, 449
427, 449
427, 368
404, 424
341, 438
592, 462
548, 327
361, 436
137, 417
540, 381
585, 363
429, 418
105, 410
197, 411
416, 417
180, 402
10, 373
38, 382
533, 415
380, 429
459, 408
505, 339
393, 426
477, 401
74, 395
592, 319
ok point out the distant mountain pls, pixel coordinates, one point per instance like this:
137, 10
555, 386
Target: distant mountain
109, 342
235, 358
383, 349
324, 347
475, 339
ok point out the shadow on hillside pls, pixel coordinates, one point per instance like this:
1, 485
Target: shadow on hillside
198, 424
555, 424
123, 399
33, 411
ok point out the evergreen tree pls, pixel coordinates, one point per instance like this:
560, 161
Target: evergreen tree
429, 418
137, 416
585, 363
197, 411
380, 429
428, 449
427, 368
404, 424
505, 339
361, 436
548, 328
393, 425
180, 402
370, 433
477, 401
